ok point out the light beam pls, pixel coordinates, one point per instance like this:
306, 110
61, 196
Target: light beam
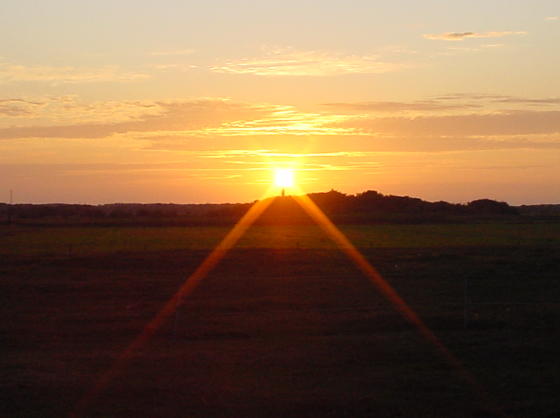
220, 251
189, 285
390, 293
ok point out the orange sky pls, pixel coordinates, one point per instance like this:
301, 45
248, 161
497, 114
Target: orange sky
179, 102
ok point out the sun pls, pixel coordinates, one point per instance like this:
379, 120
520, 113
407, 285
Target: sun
284, 177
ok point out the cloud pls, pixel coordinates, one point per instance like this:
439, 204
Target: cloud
55, 110
521, 122
10, 72
459, 36
280, 131
291, 62
140, 117
552, 18
418, 106
530, 101
360, 145
277, 154
497, 98
283, 120
455, 103
18, 107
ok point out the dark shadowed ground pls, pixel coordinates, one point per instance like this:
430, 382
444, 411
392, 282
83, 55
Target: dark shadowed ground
282, 333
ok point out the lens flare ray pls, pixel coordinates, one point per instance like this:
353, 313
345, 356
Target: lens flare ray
390, 293
373, 275
188, 286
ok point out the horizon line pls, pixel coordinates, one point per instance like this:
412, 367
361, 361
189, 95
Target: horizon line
253, 201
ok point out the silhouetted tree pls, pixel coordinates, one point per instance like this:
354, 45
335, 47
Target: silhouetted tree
491, 207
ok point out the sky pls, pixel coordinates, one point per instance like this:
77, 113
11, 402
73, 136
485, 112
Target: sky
199, 101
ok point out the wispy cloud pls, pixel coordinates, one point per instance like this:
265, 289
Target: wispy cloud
453, 121
456, 103
10, 72
291, 62
283, 120
521, 122
100, 120
56, 110
276, 154
459, 36
552, 18
18, 108
391, 107
497, 98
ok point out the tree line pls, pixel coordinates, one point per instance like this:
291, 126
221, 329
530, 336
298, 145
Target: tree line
366, 207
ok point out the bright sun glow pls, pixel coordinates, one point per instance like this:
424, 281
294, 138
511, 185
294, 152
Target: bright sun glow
284, 177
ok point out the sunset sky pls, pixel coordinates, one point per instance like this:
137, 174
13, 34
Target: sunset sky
199, 101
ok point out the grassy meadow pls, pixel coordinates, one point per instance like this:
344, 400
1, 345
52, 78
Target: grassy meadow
84, 241
285, 325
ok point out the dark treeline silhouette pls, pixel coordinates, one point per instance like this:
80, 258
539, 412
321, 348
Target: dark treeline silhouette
124, 213
362, 208
374, 207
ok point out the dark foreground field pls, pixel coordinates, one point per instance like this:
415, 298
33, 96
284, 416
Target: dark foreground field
291, 331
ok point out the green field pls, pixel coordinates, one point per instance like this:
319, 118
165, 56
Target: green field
100, 240
285, 325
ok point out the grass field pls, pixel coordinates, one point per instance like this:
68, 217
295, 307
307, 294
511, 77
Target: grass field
77, 241
284, 326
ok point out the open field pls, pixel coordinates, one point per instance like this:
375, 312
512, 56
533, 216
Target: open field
285, 326
85, 241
